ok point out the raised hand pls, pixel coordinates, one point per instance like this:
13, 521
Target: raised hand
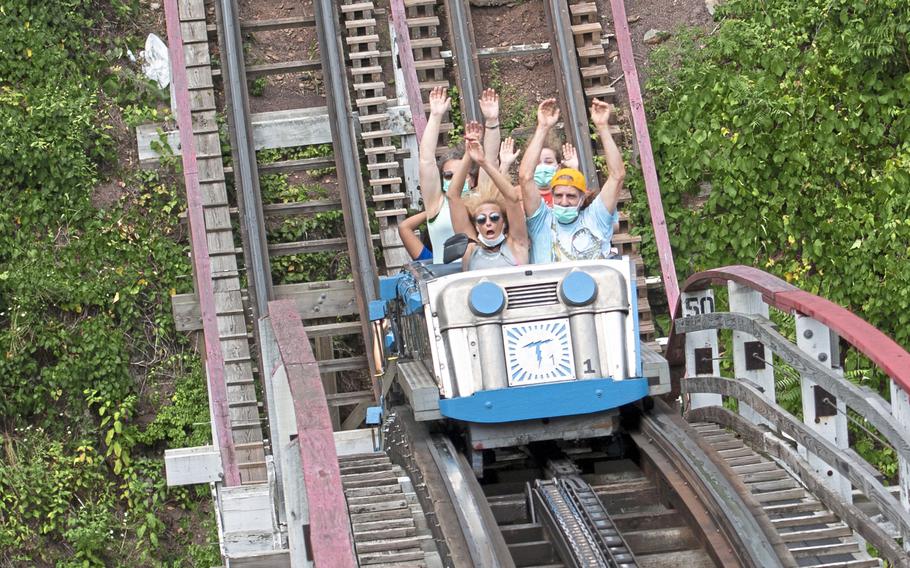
547, 113
569, 156
475, 151
507, 152
600, 113
439, 101
473, 131
489, 105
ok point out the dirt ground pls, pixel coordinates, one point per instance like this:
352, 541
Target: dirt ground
523, 22
292, 90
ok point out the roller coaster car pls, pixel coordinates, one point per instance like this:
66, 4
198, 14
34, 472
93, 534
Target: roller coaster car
527, 345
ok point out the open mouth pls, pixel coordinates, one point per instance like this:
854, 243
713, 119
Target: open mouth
489, 233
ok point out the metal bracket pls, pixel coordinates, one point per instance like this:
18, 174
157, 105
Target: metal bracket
825, 402
704, 361
754, 352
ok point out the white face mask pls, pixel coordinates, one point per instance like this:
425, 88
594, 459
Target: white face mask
491, 243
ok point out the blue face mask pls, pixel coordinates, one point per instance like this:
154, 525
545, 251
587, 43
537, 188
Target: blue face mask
565, 215
464, 190
543, 174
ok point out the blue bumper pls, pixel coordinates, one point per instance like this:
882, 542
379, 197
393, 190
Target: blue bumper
544, 401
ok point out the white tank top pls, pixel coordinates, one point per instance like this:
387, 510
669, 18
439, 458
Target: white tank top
440, 229
482, 258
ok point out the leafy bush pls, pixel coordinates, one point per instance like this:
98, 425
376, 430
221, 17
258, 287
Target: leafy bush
782, 142
88, 338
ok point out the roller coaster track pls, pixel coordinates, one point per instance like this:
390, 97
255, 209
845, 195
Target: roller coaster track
732, 495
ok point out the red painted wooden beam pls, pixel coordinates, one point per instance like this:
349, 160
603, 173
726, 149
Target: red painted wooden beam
202, 266
330, 529
406, 60
878, 347
646, 155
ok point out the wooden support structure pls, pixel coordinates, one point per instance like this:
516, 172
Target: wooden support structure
232, 391
330, 530
202, 263
406, 60
752, 359
701, 346
819, 325
646, 155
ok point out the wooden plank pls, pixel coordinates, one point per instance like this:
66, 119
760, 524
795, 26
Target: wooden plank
314, 300
646, 155
315, 245
278, 68
214, 362
346, 398
325, 351
330, 532
406, 60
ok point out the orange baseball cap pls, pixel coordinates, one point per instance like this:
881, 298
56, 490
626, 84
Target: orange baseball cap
570, 177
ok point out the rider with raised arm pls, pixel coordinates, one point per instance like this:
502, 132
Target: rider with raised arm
484, 216
415, 247
567, 232
434, 187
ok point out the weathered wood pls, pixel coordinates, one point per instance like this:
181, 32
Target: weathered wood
701, 344
655, 541
324, 351
214, 361
330, 532
828, 417
311, 246
848, 512
744, 300
881, 349
646, 156
313, 300
278, 68
189, 466
863, 400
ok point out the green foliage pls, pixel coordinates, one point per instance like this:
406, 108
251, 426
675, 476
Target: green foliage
185, 421
90, 254
514, 106
782, 142
456, 135
257, 87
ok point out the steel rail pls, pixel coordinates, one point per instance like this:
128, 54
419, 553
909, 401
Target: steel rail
722, 494
485, 542
461, 34
214, 359
571, 92
347, 166
246, 173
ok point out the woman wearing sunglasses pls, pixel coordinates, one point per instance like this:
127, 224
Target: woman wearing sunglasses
484, 215
436, 176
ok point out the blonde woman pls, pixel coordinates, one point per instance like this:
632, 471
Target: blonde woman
492, 217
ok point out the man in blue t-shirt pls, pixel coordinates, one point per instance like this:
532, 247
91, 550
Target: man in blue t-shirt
567, 232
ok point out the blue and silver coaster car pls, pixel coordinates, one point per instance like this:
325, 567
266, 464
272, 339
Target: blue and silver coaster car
524, 343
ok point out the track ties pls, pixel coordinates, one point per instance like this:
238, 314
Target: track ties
388, 526
369, 84
814, 535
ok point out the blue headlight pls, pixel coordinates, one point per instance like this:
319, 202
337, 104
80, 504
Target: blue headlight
578, 288
487, 299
